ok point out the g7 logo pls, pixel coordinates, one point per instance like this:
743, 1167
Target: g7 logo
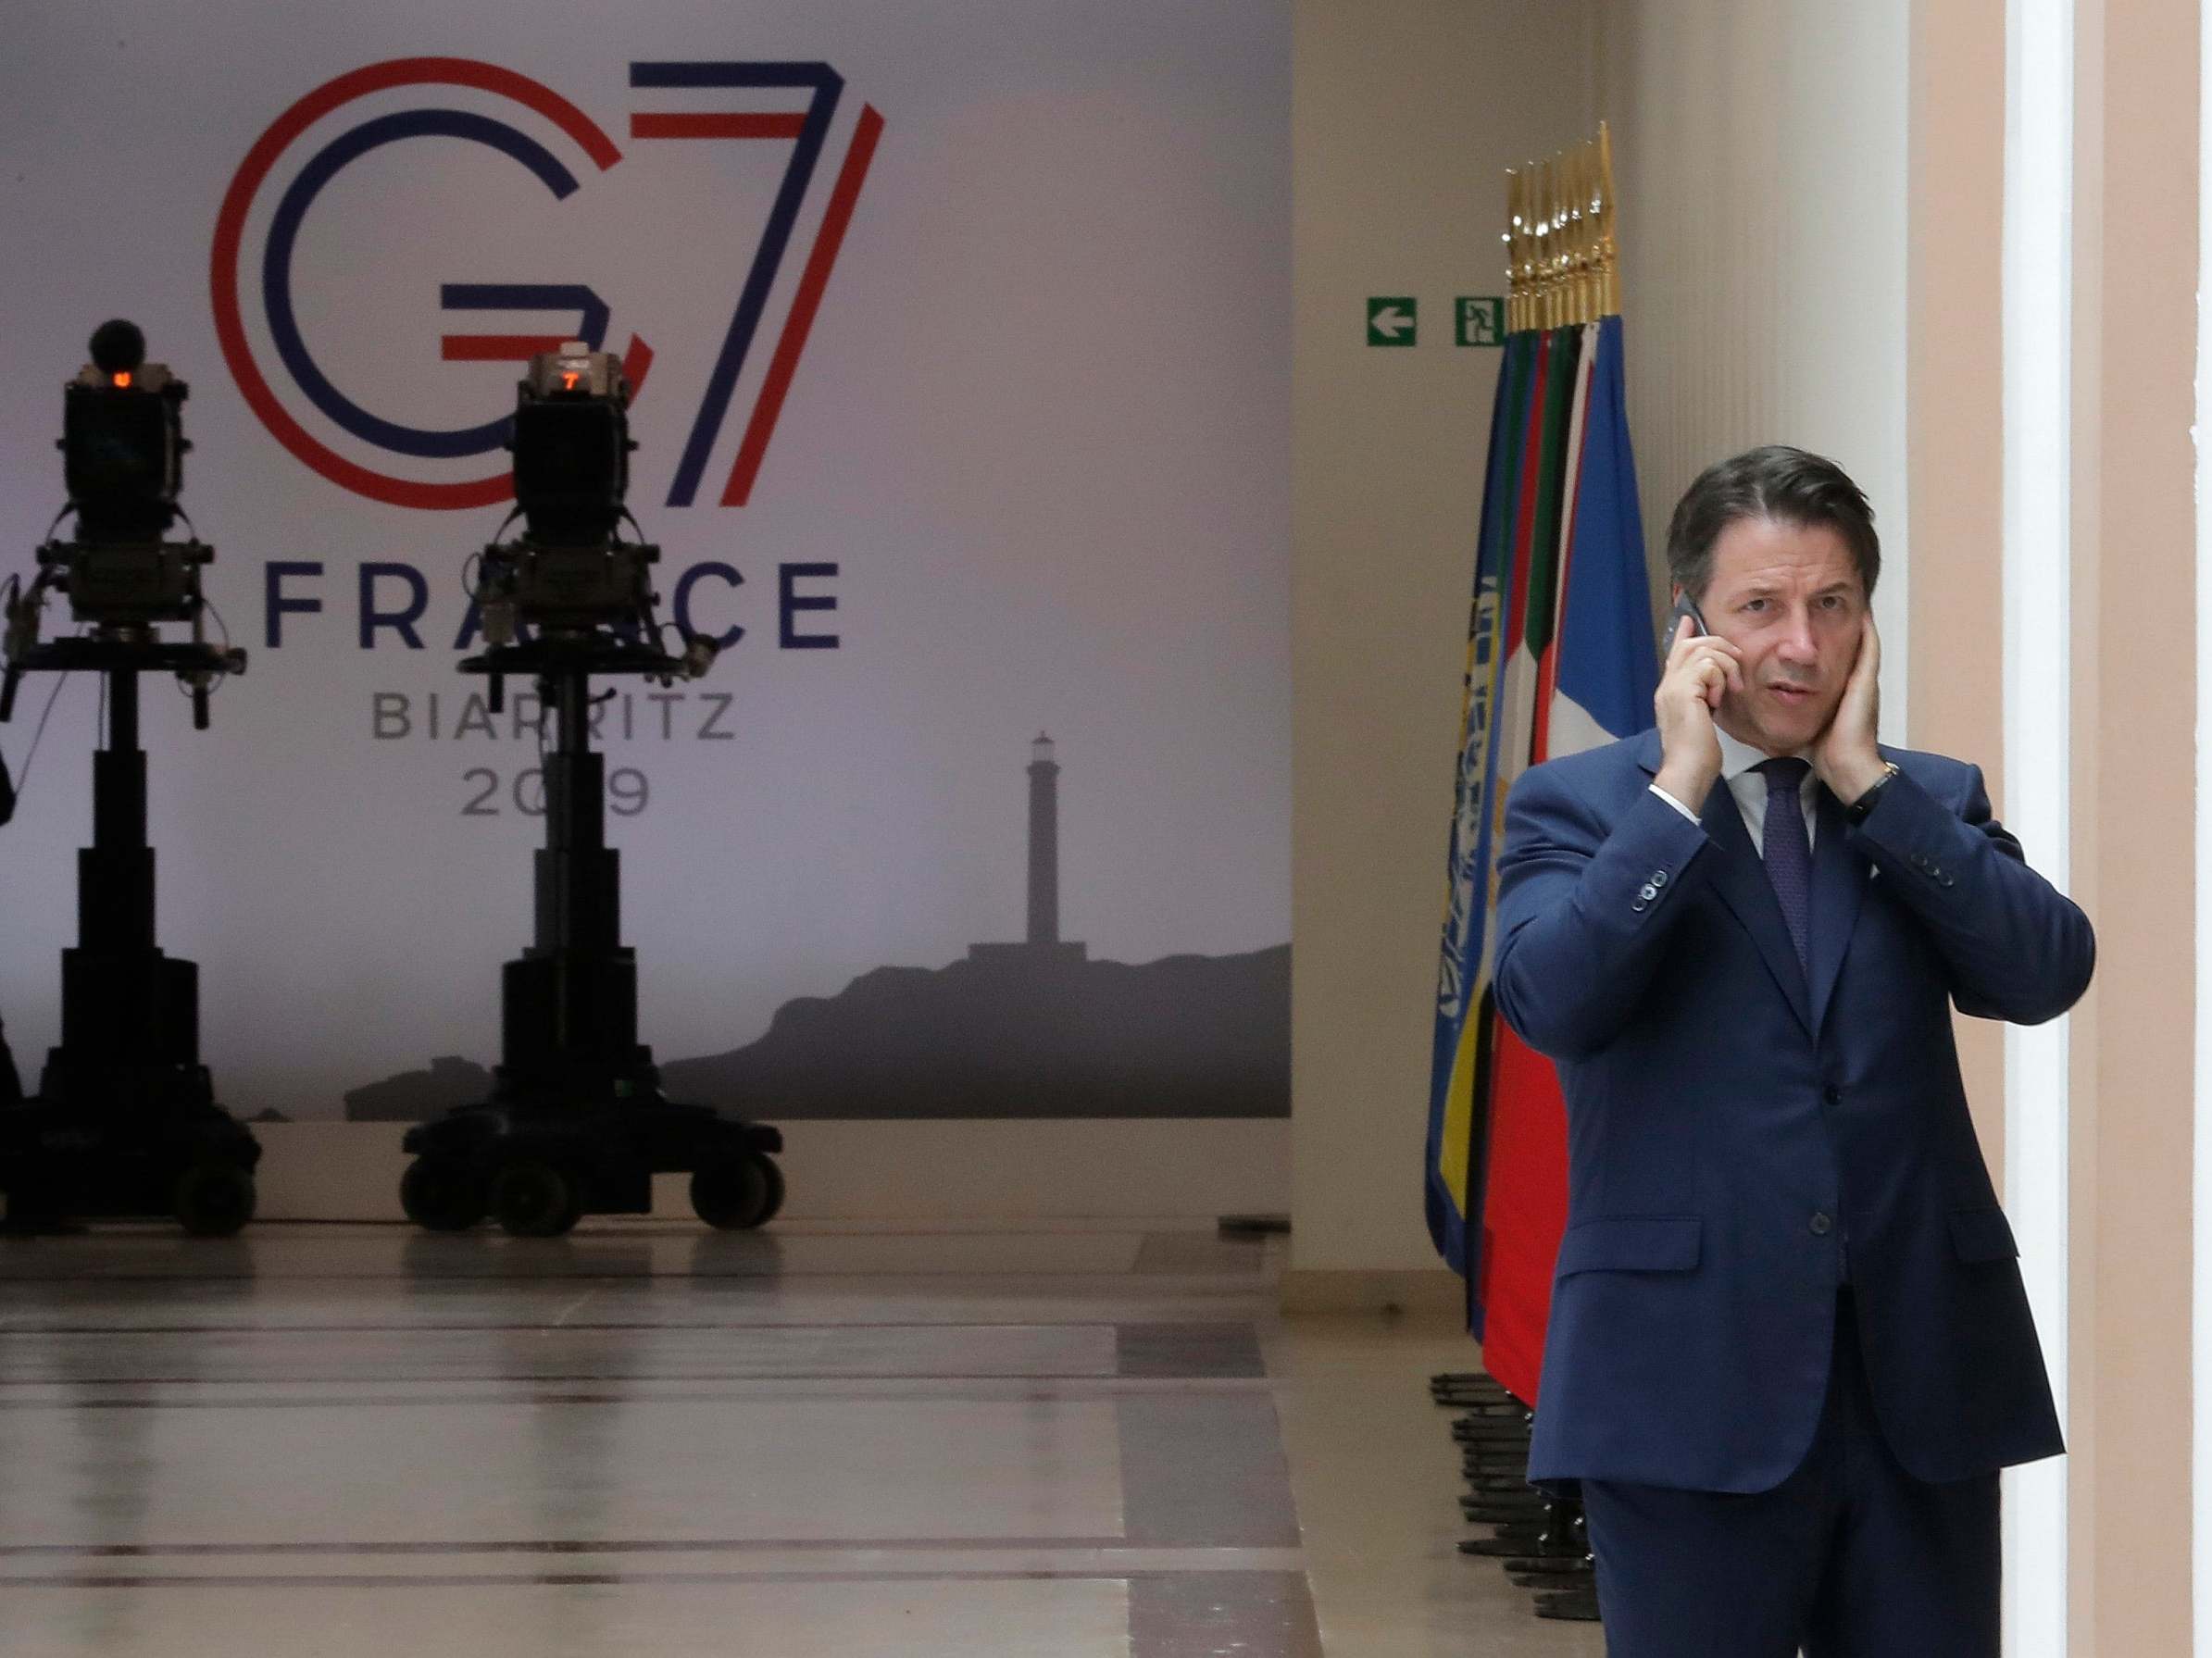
277, 231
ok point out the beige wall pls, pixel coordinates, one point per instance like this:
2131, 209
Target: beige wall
2134, 805
1761, 155
1405, 114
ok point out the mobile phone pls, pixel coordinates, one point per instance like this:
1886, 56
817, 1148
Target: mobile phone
1684, 606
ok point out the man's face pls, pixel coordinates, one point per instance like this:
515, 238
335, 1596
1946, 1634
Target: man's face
1789, 597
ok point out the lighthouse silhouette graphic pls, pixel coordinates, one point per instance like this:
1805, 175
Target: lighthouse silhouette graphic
1031, 1029
1044, 944
1045, 844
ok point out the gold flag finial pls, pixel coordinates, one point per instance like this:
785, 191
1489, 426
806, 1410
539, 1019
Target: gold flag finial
1561, 238
1541, 262
1583, 266
1554, 177
1526, 262
1562, 256
1515, 193
1608, 246
1563, 252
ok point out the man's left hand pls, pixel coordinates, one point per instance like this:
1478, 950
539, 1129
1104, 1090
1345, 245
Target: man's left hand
1845, 756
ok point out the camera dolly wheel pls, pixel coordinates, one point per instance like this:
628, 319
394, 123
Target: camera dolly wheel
444, 1194
214, 1199
532, 1198
738, 1193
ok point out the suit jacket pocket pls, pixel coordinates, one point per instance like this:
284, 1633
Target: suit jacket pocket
1982, 1234
1631, 1243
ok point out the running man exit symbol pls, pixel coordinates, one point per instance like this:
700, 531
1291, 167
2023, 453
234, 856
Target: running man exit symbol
1481, 321
1391, 321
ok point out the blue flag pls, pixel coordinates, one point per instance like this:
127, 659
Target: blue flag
1454, 1138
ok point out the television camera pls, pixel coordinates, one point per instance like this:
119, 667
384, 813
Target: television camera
577, 1123
125, 1121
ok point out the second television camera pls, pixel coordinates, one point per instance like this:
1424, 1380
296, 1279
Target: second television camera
572, 573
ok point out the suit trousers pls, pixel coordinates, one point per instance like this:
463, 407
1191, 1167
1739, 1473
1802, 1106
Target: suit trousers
1849, 1557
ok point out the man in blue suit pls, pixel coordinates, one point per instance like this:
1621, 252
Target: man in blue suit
1789, 1346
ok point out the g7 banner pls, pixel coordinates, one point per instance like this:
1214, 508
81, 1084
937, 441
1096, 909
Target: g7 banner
959, 339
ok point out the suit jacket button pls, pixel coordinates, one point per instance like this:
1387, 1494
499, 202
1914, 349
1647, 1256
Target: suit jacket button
1821, 1223
1639, 904
1647, 893
1659, 877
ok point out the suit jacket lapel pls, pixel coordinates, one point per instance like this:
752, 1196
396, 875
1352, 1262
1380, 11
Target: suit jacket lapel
1740, 877
1839, 883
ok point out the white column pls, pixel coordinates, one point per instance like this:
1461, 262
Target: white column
2038, 333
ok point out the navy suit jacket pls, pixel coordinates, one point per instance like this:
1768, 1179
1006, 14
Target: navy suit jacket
1745, 1134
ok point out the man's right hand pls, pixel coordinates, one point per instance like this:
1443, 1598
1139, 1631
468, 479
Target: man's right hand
1701, 669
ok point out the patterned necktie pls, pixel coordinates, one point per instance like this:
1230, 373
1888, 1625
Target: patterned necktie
1788, 852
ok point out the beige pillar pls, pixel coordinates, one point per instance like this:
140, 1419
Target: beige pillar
1954, 429
2134, 804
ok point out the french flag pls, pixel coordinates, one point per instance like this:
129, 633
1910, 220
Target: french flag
1594, 679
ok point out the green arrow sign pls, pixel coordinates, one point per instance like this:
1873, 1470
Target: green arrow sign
1480, 321
1393, 320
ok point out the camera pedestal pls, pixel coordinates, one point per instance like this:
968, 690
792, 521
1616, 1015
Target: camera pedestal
577, 1123
125, 1122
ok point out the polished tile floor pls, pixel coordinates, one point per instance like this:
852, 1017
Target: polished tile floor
327, 1441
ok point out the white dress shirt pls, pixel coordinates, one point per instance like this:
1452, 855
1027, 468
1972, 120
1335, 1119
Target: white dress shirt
1750, 790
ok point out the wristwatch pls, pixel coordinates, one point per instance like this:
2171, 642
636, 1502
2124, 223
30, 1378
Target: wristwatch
1856, 811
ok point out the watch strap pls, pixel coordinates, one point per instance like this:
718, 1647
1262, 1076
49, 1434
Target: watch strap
1856, 811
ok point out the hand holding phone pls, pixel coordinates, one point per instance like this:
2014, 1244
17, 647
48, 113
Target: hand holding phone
1699, 671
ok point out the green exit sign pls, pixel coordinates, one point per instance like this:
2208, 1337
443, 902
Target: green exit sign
1480, 320
1393, 320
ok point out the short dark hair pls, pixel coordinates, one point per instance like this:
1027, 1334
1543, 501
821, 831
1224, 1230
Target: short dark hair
1791, 486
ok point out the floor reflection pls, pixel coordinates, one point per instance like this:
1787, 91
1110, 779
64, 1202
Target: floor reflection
644, 1435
